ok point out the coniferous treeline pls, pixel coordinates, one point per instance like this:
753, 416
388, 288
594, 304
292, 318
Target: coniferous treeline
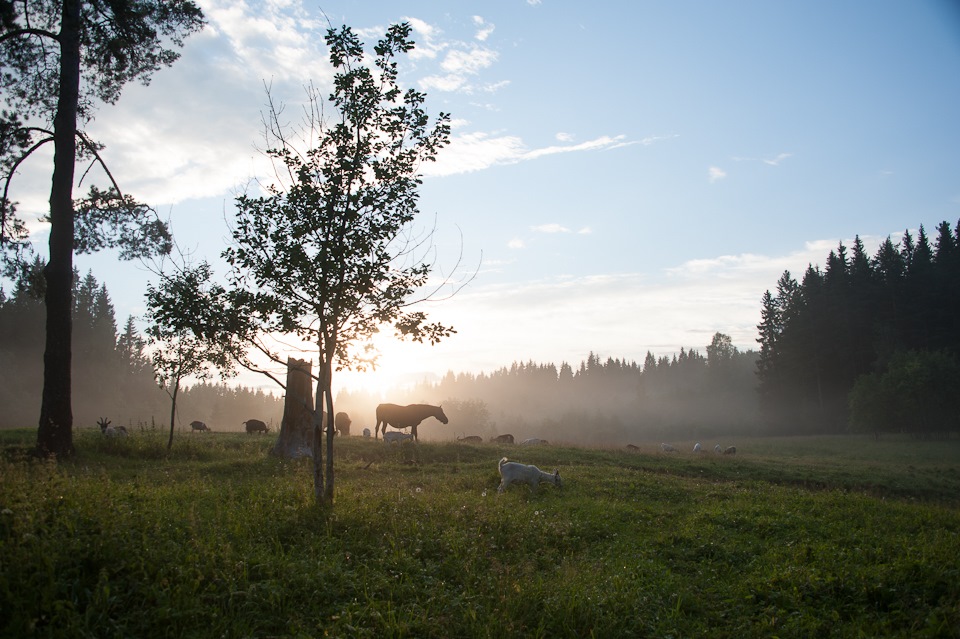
112, 374
854, 318
887, 325
610, 401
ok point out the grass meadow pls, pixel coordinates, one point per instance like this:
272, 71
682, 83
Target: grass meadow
805, 537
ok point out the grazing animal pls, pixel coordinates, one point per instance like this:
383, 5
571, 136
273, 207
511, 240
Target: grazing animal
256, 426
109, 431
198, 426
396, 437
511, 472
366, 432
730, 450
667, 448
503, 439
342, 423
470, 439
403, 417
696, 447
533, 441
632, 447
717, 449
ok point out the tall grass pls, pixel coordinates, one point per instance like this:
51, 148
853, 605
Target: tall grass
790, 538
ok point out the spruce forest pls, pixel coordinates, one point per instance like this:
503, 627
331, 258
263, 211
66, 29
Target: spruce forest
112, 373
863, 344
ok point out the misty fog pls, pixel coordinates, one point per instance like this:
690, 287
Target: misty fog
610, 402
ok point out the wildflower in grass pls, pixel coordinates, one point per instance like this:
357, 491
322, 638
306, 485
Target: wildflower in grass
483, 494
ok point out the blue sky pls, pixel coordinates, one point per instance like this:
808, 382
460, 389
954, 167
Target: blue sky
633, 174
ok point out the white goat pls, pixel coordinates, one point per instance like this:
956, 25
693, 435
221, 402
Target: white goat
717, 449
667, 448
366, 432
511, 472
396, 436
109, 431
697, 448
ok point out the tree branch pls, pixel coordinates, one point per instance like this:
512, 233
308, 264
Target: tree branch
9, 178
10, 35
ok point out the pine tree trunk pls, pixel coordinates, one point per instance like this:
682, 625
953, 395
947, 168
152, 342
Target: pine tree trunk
55, 434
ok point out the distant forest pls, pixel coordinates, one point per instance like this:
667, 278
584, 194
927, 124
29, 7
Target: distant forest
600, 402
112, 376
868, 344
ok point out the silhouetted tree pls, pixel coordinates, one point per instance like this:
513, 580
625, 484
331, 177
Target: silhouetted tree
328, 253
60, 57
187, 330
851, 320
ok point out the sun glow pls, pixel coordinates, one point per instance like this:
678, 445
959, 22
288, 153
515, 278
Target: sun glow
399, 366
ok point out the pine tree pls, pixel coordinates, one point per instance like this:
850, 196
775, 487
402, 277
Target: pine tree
59, 59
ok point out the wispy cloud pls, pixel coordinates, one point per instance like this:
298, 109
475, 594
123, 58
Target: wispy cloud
484, 28
603, 142
516, 243
715, 173
429, 46
653, 139
550, 228
459, 65
476, 151
559, 228
775, 161
769, 161
267, 40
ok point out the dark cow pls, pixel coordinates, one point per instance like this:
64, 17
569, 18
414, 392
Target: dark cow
195, 425
503, 439
256, 426
403, 417
341, 422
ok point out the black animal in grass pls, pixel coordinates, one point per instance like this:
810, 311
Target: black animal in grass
404, 417
256, 426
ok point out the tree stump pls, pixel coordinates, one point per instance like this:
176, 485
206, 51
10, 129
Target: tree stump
296, 428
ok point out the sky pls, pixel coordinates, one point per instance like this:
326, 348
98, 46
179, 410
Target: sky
622, 177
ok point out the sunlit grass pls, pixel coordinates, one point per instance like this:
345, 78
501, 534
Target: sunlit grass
217, 538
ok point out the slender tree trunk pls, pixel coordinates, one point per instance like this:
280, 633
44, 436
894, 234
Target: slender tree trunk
327, 376
173, 409
318, 487
55, 434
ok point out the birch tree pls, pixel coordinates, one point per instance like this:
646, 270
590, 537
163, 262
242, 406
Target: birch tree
327, 253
